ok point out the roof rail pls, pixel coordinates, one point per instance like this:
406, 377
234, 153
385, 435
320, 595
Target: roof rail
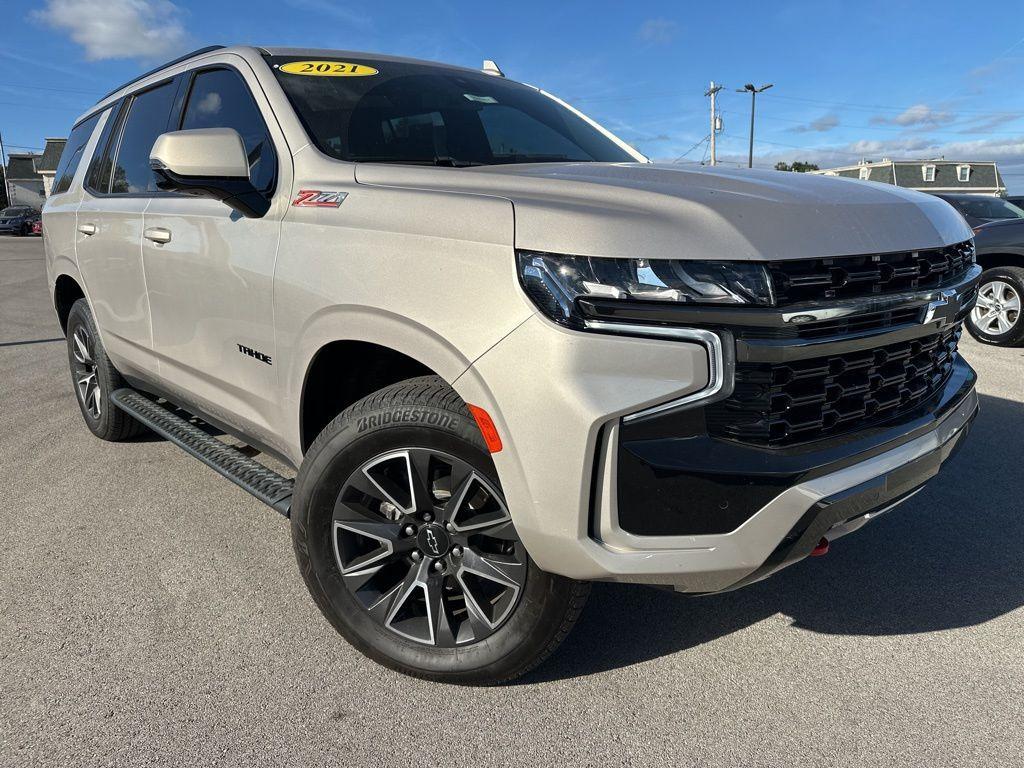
171, 63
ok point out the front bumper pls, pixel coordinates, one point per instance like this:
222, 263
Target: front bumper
819, 501
565, 404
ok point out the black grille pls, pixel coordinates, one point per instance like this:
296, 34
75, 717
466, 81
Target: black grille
852, 276
777, 404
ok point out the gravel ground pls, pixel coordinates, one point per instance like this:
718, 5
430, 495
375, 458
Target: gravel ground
151, 614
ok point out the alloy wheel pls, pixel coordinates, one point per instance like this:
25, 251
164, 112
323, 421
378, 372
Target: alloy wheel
86, 378
998, 308
426, 545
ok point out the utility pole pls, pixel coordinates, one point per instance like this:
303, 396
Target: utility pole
6, 197
712, 91
753, 98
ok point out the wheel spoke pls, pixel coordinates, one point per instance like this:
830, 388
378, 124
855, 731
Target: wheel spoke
440, 621
475, 505
97, 404
82, 354
1003, 323
501, 569
404, 616
391, 478
431, 485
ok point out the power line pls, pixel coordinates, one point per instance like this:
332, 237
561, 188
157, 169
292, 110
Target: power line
706, 138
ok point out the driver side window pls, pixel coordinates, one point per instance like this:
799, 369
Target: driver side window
219, 98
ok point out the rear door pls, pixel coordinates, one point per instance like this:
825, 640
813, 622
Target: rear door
211, 270
118, 189
62, 205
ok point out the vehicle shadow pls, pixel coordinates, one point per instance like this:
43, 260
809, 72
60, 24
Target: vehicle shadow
950, 557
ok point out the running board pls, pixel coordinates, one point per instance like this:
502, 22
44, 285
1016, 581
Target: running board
247, 473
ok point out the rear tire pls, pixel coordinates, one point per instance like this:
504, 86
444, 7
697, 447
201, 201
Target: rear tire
94, 377
405, 543
997, 318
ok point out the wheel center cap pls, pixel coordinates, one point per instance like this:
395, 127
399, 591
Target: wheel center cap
434, 540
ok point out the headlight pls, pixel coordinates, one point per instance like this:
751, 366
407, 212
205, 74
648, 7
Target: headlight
554, 282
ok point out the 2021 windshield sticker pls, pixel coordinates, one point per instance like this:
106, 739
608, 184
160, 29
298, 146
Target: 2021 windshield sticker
328, 69
316, 198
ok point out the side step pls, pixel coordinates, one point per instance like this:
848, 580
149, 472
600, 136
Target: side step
263, 483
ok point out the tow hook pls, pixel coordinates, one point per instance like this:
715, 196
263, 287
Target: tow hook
821, 549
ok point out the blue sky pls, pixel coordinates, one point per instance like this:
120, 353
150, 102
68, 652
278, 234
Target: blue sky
851, 80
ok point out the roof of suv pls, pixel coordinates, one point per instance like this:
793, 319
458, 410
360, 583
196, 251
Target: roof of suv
278, 51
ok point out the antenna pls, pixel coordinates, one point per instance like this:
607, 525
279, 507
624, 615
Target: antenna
490, 68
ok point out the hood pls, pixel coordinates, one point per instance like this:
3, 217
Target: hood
666, 211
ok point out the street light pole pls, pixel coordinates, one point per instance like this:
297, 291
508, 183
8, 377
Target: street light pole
753, 99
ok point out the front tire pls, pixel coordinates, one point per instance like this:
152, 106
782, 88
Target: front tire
996, 318
94, 377
406, 544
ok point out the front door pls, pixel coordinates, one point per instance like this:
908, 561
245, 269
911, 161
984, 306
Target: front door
211, 271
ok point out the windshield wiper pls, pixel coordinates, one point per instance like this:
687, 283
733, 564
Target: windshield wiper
517, 158
450, 162
442, 160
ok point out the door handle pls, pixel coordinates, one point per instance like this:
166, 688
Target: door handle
87, 229
157, 234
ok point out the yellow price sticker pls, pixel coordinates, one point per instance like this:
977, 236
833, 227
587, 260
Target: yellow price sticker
328, 69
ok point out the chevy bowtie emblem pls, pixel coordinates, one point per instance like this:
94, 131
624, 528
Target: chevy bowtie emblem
946, 307
435, 548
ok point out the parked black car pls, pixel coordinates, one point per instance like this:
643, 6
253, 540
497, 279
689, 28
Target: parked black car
981, 209
1017, 200
1000, 250
18, 220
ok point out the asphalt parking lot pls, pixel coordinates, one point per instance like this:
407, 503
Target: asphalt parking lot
152, 613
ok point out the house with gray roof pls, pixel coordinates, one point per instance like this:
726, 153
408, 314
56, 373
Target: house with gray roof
46, 165
941, 175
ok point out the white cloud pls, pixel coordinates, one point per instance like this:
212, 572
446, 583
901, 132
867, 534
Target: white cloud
917, 115
119, 29
658, 31
822, 124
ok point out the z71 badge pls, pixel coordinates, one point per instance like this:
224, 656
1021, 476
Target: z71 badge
315, 198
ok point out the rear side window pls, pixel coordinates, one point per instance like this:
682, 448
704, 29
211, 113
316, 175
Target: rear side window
221, 99
147, 118
72, 154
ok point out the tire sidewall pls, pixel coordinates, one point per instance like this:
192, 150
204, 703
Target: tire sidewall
1014, 277
345, 445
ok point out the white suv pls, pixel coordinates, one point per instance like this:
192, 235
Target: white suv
504, 353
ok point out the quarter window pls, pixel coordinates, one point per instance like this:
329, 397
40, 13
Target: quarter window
147, 119
72, 154
221, 99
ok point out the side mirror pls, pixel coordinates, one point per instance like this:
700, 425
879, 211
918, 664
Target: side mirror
208, 162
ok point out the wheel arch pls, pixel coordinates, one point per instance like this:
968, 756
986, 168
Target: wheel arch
66, 291
1000, 259
330, 370
331, 385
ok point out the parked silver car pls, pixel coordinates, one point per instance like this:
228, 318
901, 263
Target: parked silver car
505, 354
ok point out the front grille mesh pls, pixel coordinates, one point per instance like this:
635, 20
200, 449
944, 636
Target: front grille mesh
842, 277
778, 404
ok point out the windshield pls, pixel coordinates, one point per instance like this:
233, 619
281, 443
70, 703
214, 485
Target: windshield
988, 208
397, 112
14, 211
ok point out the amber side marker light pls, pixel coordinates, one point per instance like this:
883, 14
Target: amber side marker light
487, 428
